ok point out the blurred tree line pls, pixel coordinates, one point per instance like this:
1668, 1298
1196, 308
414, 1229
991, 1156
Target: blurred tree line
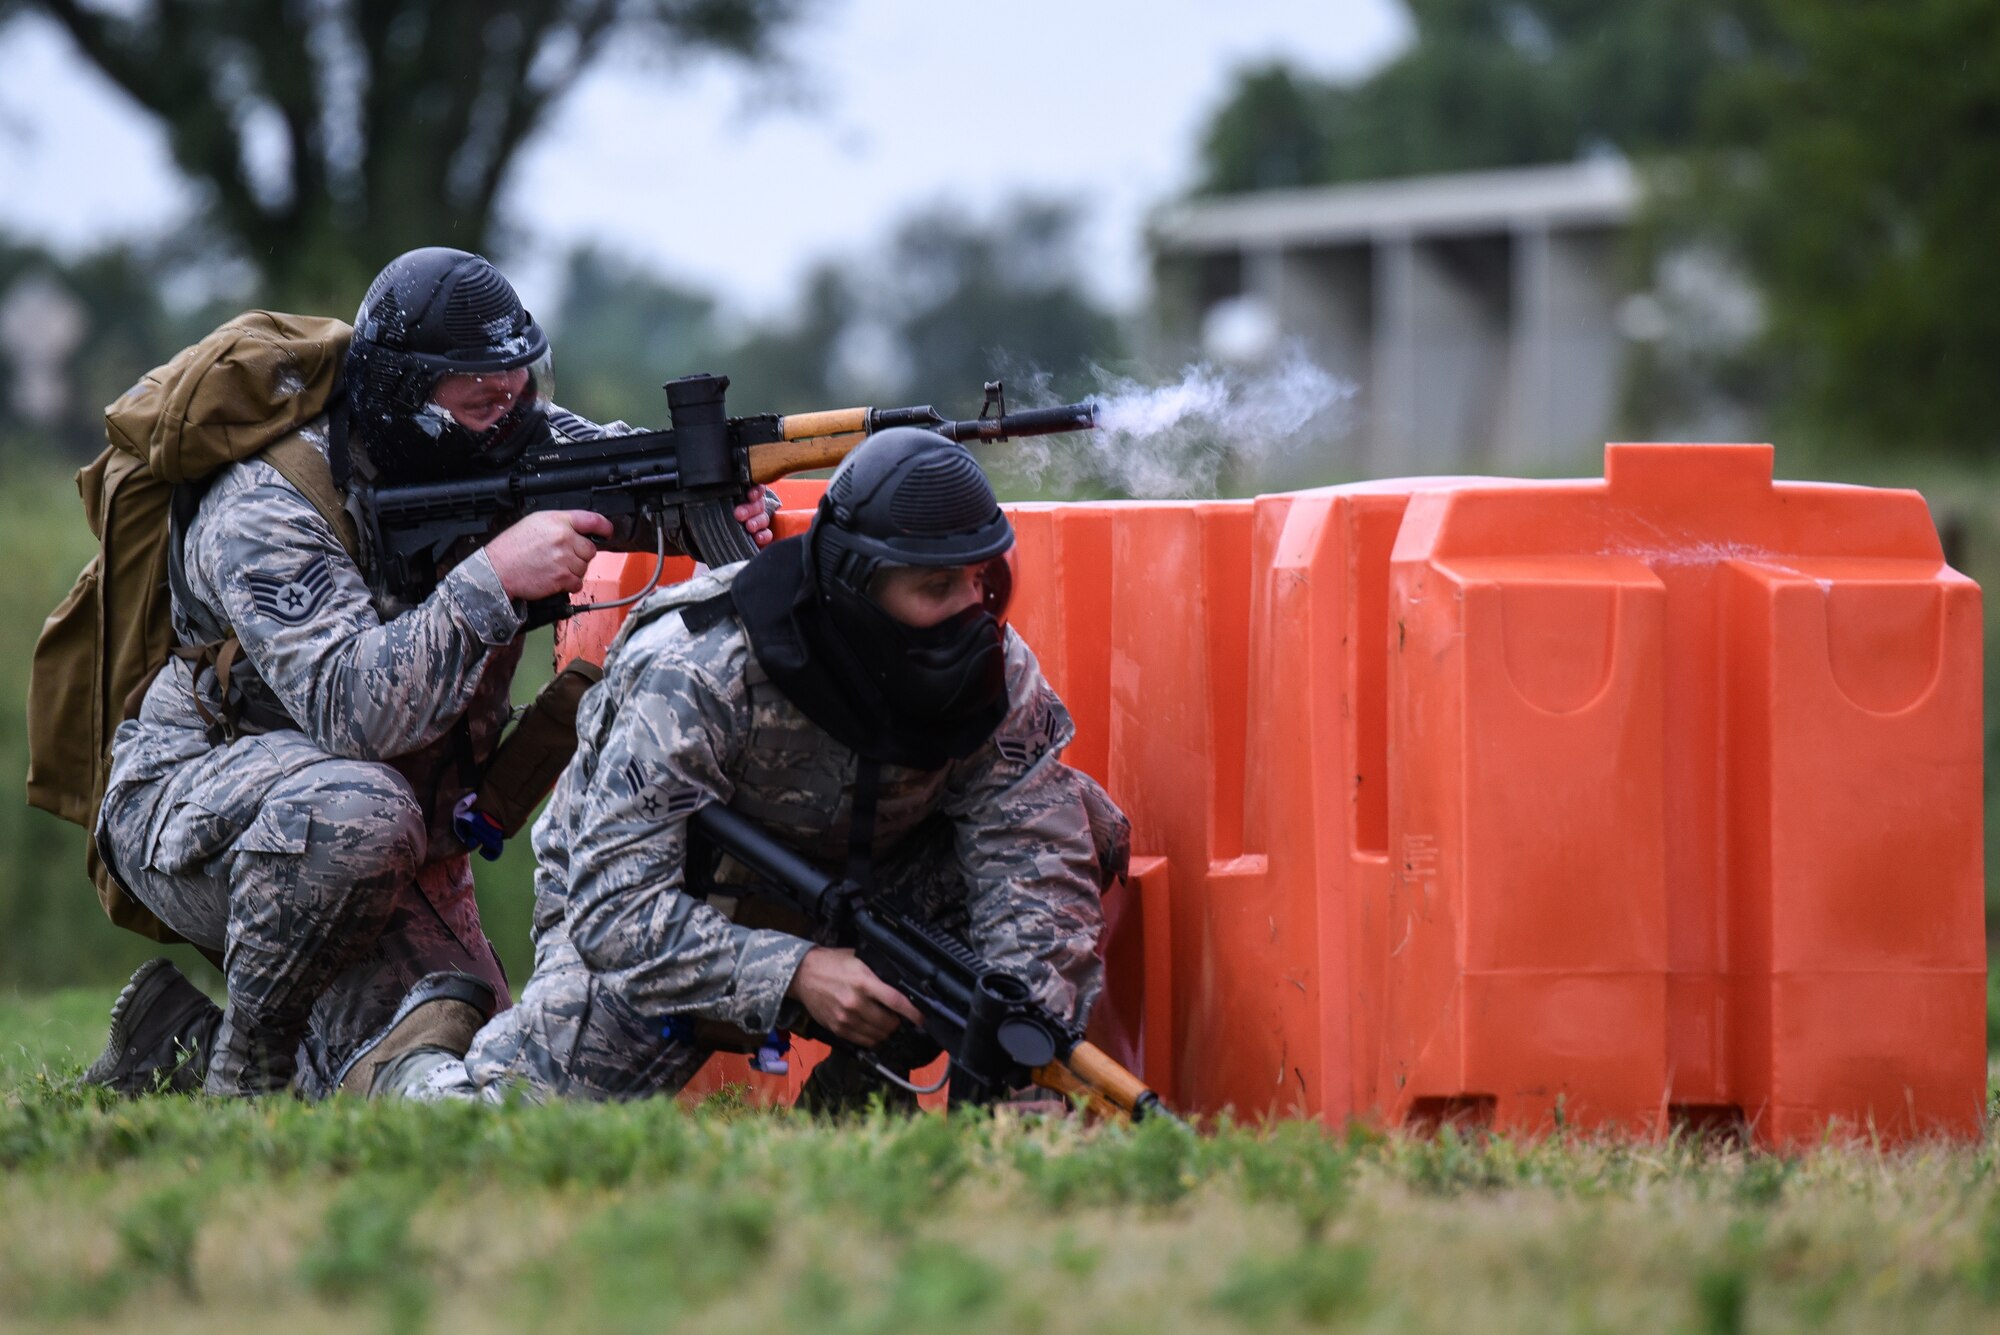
326, 136
946, 301
933, 313
1844, 158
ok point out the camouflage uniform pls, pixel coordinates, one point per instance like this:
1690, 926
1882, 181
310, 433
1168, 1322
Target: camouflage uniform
317, 856
1009, 844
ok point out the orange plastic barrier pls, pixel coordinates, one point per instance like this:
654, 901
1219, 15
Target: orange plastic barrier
1630, 802
1687, 816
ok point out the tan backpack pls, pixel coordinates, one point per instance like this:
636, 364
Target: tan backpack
244, 390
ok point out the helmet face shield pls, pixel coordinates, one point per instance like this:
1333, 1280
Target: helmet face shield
921, 596
479, 400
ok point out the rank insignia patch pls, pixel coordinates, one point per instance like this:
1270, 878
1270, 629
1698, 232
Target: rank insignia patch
292, 601
1034, 737
675, 802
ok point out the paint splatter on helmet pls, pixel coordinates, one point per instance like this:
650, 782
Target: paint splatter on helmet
432, 313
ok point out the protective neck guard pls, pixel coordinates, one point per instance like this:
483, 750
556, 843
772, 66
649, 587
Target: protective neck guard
811, 664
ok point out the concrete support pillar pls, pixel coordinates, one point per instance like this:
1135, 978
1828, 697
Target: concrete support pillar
1390, 404
1173, 331
1440, 353
1563, 376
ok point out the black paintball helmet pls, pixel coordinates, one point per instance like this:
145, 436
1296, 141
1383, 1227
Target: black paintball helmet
433, 313
905, 497
910, 497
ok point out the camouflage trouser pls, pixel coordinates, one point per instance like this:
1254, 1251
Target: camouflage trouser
572, 1034
307, 873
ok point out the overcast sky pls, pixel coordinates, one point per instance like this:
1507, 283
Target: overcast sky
697, 174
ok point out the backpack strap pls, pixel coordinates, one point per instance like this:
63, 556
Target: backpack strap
300, 463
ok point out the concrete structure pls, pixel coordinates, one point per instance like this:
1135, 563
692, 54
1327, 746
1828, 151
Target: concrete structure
1477, 312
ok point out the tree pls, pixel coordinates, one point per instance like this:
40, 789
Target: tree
1866, 205
948, 303
964, 300
1486, 83
1275, 131
332, 134
792, 366
621, 333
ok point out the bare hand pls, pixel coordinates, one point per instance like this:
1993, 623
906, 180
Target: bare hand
844, 994
756, 520
546, 553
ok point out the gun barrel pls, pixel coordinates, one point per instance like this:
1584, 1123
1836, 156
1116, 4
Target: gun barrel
766, 856
821, 440
1033, 422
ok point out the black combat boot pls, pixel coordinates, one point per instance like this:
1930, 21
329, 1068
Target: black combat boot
162, 1032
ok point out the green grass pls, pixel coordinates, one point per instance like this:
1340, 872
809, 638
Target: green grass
180, 1214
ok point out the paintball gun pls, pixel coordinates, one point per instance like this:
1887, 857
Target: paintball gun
996, 1036
682, 483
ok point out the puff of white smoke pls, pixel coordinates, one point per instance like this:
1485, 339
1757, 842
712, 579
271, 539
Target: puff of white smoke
1175, 439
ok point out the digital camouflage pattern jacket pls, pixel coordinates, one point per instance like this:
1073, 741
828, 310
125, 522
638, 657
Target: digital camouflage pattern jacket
683, 718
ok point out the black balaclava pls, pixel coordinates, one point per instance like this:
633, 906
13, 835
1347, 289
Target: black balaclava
905, 695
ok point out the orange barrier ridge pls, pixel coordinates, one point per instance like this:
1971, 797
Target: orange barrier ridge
1680, 771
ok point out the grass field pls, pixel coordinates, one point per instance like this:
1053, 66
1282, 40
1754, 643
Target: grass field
170, 1214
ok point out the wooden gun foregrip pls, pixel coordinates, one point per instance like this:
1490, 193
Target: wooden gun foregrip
782, 458
832, 422
811, 440
1090, 1071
